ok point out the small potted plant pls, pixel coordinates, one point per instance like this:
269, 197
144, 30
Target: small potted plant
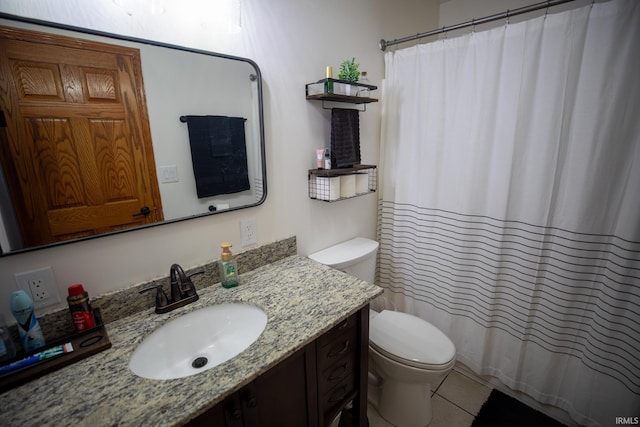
349, 72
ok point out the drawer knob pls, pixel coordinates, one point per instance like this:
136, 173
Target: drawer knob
339, 394
342, 324
235, 413
341, 351
339, 372
251, 400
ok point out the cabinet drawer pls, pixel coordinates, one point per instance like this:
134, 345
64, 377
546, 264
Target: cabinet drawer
337, 396
349, 323
337, 372
343, 346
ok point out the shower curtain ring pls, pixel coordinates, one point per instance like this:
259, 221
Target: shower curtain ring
546, 10
508, 14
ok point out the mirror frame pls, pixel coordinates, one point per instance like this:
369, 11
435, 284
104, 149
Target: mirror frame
118, 37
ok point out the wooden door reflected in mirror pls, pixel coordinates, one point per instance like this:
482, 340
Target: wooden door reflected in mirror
78, 157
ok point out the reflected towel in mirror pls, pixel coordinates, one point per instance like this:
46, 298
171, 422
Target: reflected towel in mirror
218, 154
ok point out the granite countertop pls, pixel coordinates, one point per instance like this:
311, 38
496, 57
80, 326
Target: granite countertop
302, 299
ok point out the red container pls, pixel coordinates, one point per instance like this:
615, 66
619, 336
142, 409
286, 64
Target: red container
80, 308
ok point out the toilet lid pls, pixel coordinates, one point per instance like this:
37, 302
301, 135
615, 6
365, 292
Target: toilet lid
345, 253
410, 340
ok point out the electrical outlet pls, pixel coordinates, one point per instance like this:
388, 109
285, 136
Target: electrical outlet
38, 289
248, 232
41, 285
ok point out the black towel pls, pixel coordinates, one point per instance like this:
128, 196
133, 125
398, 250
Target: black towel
345, 137
218, 154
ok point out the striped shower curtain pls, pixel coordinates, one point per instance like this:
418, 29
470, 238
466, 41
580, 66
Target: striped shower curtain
509, 212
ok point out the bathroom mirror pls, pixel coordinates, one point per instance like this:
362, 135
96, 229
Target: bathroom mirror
80, 110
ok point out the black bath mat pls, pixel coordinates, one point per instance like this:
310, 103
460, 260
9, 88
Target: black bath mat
501, 410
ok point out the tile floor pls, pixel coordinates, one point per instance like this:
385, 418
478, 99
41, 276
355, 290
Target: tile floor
456, 401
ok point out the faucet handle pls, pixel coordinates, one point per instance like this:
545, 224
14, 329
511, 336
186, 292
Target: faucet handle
161, 297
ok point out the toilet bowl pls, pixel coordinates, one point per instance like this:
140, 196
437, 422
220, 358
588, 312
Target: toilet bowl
406, 354
409, 354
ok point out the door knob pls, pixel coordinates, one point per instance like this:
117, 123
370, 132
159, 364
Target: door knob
143, 211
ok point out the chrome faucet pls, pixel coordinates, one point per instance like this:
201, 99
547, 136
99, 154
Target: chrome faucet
183, 291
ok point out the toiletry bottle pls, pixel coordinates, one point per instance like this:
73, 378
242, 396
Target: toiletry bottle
364, 79
28, 326
227, 267
319, 158
327, 159
328, 86
80, 308
7, 349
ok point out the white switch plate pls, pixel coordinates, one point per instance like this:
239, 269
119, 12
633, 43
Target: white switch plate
40, 284
168, 173
248, 232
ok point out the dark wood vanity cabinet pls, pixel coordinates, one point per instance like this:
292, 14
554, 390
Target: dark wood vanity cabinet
338, 358
309, 388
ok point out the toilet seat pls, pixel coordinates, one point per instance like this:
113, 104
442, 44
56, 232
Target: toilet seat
410, 340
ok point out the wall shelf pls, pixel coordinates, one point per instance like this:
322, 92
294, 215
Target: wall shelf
332, 185
315, 92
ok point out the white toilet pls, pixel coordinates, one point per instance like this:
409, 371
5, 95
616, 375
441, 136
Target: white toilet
406, 354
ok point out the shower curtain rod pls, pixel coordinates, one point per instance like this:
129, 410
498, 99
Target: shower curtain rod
504, 15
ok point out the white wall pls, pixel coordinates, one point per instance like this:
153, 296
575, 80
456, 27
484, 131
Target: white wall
408, 17
292, 41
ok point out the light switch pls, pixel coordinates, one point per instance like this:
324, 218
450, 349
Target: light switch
168, 173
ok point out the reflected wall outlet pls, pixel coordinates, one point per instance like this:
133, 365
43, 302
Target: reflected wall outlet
40, 285
248, 232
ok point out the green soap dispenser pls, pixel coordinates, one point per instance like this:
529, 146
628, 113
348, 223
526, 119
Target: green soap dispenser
227, 267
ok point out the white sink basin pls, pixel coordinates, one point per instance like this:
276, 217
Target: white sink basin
198, 341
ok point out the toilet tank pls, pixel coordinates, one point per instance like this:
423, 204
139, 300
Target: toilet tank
356, 257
